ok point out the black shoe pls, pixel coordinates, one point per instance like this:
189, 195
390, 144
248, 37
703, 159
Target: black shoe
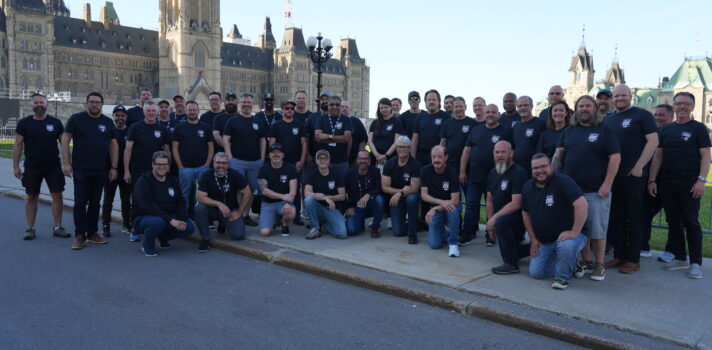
505, 269
221, 228
298, 221
60, 232
163, 244
203, 247
249, 221
489, 242
285, 231
106, 230
465, 239
30, 234
412, 239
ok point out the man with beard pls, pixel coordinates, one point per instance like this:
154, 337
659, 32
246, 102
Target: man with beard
477, 158
135, 113
396, 105
510, 116
178, 108
222, 118
94, 157
440, 191
426, 130
408, 117
478, 107
504, 203
603, 100
323, 193
364, 198
556, 93
165, 116
455, 131
120, 116
39, 135
525, 134
359, 137
590, 154
554, 212
214, 100
268, 115
638, 138
447, 103
278, 185
401, 181
333, 133
314, 119
193, 149
223, 194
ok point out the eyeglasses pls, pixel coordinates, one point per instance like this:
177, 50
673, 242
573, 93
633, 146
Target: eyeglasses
219, 162
160, 164
554, 93
322, 159
402, 146
680, 103
94, 102
334, 105
290, 108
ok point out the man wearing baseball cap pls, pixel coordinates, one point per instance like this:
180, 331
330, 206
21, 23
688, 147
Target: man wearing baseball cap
603, 100
407, 118
278, 186
120, 115
268, 114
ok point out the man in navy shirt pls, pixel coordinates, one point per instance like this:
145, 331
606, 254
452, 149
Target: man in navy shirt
39, 135
525, 134
165, 118
510, 116
478, 108
292, 135
333, 133
119, 114
364, 196
143, 139
178, 108
455, 132
135, 113
268, 115
603, 100
214, 100
323, 193
221, 119
440, 190
426, 130
554, 212
408, 117
556, 93
401, 182
278, 185
682, 162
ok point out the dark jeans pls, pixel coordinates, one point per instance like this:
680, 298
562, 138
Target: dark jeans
625, 225
153, 227
475, 190
205, 214
510, 229
683, 213
108, 203
408, 205
651, 208
88, 185
374, 208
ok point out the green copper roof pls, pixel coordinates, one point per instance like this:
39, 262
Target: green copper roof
646, 98
111, 12
693, 73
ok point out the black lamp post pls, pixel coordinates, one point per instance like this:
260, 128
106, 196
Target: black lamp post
319, 54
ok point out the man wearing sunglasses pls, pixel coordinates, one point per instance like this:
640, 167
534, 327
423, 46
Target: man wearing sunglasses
556, 94
333, 133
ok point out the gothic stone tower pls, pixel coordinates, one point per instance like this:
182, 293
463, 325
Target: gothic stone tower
580, 75
189, 42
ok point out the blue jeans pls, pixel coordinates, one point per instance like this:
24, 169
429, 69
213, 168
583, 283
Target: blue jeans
205, 214
510, 229
475, 190
333, 219
187, 178
437, 236
153, 227
88, 185
271, 213
249, 169
408, 205
374, 207
557, 259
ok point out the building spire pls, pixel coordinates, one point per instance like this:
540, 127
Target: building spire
615, 55
583, 36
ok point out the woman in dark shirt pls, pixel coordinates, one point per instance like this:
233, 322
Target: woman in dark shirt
560, 118
383, 133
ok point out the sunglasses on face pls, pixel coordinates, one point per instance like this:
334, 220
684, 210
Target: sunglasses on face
288, 108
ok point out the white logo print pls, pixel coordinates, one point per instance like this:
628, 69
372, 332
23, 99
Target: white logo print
389, 127
438, 121
549, 200
625, 123
339, 125
295, 131
406, 177
503, 185
171, 192
592, 137
332, 185
102, 127
686, 135
157, 133
255, 126
446, 185
529, 132
201, 133
283, 178
495, 138
465, 128
50, 127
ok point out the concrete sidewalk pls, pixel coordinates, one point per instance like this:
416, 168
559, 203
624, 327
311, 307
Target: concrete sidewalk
651, 308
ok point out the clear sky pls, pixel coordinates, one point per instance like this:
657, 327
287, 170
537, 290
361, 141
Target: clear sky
473, 48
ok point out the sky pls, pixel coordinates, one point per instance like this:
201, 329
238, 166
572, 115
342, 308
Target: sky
473, 48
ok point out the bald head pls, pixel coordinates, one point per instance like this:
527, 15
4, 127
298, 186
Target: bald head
622, 97
556, 93
492, 115
503, 155
509, 103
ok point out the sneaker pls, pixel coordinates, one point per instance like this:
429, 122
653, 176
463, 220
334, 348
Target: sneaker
489, 242
583, 268
465, 239
60, 232
30, 234
149, 252
79, 242
598, 273
106, 230
313, 234
95, 238
525, 240
560, 284
454, 251
134, 237
126, 229
249, 221
285, 231
666, 257
695, 271
412, 239
389, 223
163, 245
646, 254
505, 269
375, 232
203, 247
676, 265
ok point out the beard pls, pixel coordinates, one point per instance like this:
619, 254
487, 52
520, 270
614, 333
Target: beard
220, 172
501, 168
39, 110
230, 108
584, 117
276, 161
324, 107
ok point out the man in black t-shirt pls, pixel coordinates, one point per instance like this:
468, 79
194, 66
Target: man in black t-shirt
292, 135
119, 114
426, 130
142, 140
135, 113
323, 193
396, 105
268, 115
440, 190
165, 118
39, 135
208, 117
359, 137
364, 198
525, 133
401, 181
455, 132
223, 194
478, 108
682, 162
221, 119
333, 133
510, 116
94, 158
178, 108
554, 212
556, 93
278, 185
408, 117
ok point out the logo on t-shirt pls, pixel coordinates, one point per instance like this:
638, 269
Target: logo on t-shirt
157, 133
465, 128
171, 192
495, 138
446, 186
438, 121
255, 126
593, 137
283, 178
389, 127
549, 200
625, 123
406, 177
339, 125
529, 132
295, 131
102, 128
50, 127
686, 135
332, 185
503, 185
201, 133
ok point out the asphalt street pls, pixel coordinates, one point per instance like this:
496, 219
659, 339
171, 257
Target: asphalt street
112, 296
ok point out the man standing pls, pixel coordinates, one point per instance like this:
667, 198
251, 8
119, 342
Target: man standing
359, 137
159, 210
323, 192
120, 115
165, 117
292, 135
222, 118
556, 93
268, 115
223, 194
301, 114
178, 108
313, 122
554, 212
396, 105
364, 199
504, 203
682, 162
525, 134
408, 117
636, 132
510, 116
440, 189
143, 139
590, 154
214, 99
135, 113
603, 100
478, 107
278, 185
455, 132
39, 136
477, 158
95, 153
333, 133
447, 103
426, 130
193, 149
401, 181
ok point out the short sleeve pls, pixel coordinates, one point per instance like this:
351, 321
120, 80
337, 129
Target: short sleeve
203, 185
703, 138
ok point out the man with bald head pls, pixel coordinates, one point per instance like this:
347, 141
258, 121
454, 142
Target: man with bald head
556, 94
477, 157
637, 134
510, 116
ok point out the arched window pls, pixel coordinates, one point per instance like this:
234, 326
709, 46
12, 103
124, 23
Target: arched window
39, 84
199, 55
3, 62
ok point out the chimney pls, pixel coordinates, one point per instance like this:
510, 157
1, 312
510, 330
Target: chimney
104, 17
87, 14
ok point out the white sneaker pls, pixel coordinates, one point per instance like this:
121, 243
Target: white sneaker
454, 251
389, 223
666, 257
646, 254
695, 271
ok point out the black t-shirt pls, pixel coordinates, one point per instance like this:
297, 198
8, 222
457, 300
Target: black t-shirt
384, 138
208, 118
510, 120
277, 179
193, 143
548, 141
336, 126
408, 120
631, 126
586, 154
525, 136
401, 175
147, 139
681, 145
503, 186
121, 135
41, 139
328, 185
289, 135
302, 117
551, 208
456, 132
133, 115
313, 120
358, 135
92, 141
219, 124
268, 119
158, 198
223, 189
170, 124
482, 140
178, 117
245, 135
428, 126
440, 186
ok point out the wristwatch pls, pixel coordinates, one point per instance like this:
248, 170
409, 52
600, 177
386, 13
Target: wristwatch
702, 178
331, 137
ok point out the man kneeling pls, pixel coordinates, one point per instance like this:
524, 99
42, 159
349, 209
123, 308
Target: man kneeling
278, 185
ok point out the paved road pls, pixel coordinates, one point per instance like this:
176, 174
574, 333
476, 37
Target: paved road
113, 297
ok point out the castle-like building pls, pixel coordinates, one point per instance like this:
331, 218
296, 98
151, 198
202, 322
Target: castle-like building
42, 48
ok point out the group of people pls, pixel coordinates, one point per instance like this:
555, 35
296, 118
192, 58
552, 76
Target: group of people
559, 187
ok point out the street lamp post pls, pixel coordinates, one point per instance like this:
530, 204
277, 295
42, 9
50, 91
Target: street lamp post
319, 54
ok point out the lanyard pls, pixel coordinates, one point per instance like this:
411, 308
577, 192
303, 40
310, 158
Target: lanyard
333, 128
358, 182
223, 189
274, 116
